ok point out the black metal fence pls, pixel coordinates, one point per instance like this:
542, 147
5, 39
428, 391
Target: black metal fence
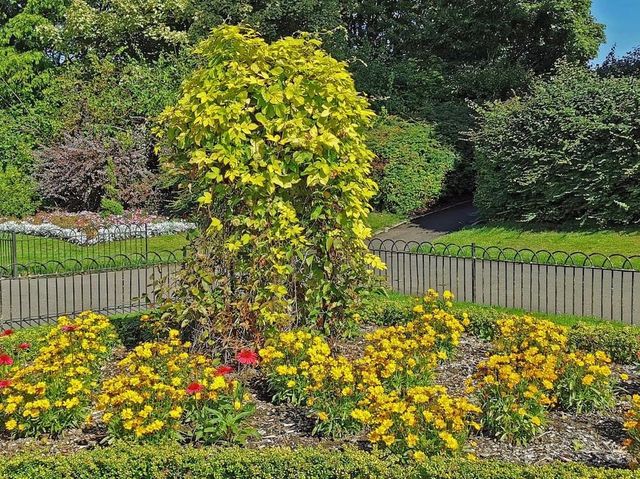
606, 287
119, 284
548, 282
62, 251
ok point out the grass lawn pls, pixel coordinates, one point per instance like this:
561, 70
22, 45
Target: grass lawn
39, 255
381, 220
556, 242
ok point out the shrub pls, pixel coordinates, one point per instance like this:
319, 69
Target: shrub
622, 344
53, 392
109, 206
164, 462
565, 153
386, 311
162, 392
272, 136
72, 175
134, 328
18, 192
412, 164
77, 173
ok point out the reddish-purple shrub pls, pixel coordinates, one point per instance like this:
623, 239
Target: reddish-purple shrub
75, 175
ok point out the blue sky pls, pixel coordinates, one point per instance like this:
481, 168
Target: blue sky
622, 18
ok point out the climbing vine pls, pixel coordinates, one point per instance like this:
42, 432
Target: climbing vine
271, 136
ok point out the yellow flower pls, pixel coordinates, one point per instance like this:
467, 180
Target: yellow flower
588, 380
419, 456
10, 425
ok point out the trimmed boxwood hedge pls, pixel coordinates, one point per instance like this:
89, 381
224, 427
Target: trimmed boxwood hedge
170, 462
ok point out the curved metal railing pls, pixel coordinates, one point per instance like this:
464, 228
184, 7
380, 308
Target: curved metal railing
91, 264
496, 253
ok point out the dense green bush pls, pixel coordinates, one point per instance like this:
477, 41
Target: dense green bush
386, 310
167, 462
412, 164
18, 193
622, 344
566, 153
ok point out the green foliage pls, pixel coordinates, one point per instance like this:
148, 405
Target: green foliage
627, 65
412, 164
383, 310
18, 192
167, 462
132, 329
482, 320
470, 50
565, 153
110, 206
622, 344
115, 95
272, 136
585, 383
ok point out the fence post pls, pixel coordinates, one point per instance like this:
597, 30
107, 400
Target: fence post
473, 272
14, 254
146, 244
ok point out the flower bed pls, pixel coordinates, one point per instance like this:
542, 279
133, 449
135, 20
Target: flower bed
87, 228
158, 391
411, 391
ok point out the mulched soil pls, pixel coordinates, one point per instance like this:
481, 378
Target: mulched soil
594, 439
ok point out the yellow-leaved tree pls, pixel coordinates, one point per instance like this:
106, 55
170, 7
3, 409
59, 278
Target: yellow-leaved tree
271, 138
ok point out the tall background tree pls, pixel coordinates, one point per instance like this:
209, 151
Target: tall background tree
425, 60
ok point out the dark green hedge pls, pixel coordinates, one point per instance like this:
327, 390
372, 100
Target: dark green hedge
567, 153
170, 462
412, 164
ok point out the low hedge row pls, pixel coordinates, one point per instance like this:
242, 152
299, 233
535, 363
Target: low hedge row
621, 343
169, 462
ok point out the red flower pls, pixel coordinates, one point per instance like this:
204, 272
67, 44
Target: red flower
6, 332
4, 383
247, 357
223, 370
194, 388
24, 346
69, 327
5, 360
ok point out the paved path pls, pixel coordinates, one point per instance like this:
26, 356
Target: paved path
432, 225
